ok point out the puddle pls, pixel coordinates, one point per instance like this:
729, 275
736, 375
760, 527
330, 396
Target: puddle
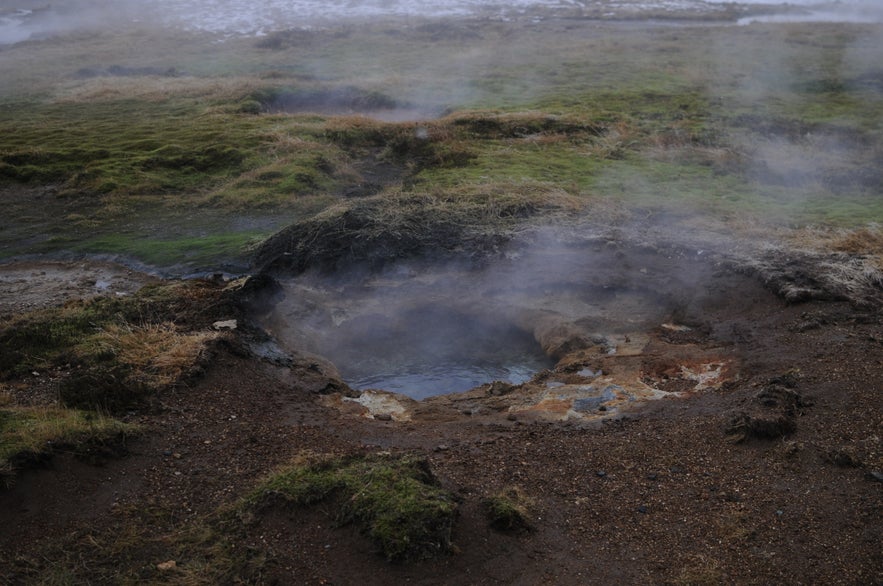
550, 331
421, 350
424, 331
419, 381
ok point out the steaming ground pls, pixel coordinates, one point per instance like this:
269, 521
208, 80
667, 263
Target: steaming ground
22, 20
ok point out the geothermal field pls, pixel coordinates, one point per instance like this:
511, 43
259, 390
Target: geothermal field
397, 292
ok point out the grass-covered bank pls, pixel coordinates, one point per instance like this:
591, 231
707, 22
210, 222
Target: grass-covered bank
66, 372
30, 435
190, 151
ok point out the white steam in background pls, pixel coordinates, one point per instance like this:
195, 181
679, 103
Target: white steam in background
773, 80
21, 20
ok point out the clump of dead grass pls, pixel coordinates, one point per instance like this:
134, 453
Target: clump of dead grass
115, 352
160, 354
865, 241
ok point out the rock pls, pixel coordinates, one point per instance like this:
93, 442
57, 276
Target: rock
770, 414
383, 417
499, 388
225, 325
780, 397
742, 426
875, 475
806, 326
166, 566
843, 457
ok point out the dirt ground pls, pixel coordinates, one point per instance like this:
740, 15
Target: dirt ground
664, 493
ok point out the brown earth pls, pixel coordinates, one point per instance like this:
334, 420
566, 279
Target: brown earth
772, 477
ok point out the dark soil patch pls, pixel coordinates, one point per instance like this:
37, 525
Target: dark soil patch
663, 493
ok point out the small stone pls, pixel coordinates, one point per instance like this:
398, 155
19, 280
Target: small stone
600, 474
806, 326
642, 509
652, 476
875, 475
383, 417
166, 566
226, 324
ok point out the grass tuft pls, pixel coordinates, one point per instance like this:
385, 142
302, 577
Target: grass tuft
394, 500
509, 510
30, 434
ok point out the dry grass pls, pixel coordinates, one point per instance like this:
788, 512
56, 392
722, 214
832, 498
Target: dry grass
855, 275
865, 242
32, 432
156, 89
160, 353
701, 570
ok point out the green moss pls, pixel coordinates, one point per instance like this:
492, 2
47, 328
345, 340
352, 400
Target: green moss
394, 500
597, 109
509, 510
198, 251
32, 433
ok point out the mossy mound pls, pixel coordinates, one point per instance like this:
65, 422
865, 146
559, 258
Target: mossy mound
509, 511
376, 231
394, 500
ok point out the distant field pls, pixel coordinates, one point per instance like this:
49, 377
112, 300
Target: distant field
185, 150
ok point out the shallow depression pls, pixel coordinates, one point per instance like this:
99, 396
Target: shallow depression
436, 329
431, 350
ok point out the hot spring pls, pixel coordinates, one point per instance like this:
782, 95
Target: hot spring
435, 329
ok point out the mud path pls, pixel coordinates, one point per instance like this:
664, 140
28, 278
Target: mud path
30, 285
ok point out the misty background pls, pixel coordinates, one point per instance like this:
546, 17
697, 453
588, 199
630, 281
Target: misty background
22, 20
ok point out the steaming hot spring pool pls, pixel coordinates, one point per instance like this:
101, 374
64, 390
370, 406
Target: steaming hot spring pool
429, 330
431, 350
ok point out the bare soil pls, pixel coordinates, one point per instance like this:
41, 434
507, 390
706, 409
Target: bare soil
702, 489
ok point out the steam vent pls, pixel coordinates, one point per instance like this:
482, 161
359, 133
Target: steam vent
542, 329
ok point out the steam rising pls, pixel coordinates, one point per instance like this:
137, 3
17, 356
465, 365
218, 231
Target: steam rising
21, 20
427, 328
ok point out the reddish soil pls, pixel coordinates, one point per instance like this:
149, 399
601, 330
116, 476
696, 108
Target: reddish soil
663, 495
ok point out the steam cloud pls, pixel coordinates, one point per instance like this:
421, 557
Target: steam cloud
21, 20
